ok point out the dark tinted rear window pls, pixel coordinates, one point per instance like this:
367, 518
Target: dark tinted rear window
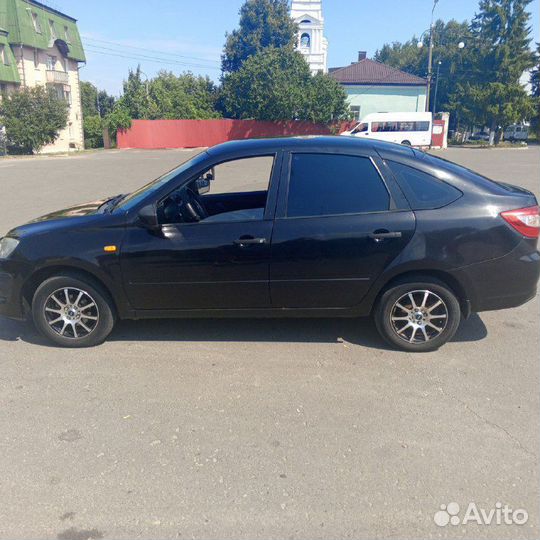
422, 190
462, 172
327, 184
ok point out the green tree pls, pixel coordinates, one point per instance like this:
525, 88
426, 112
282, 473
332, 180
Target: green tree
135, 95
263, 24
169, 96
499, 55
276, 84
118, 118
495, 104
412, 59
183, 96
535, 74
96, 104
326, 100
88, 99
33, 117
94, 101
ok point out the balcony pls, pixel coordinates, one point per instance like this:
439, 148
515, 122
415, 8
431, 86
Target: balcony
57, 77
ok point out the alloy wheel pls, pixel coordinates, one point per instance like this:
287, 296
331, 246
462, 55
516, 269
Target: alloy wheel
71, 312
419, 316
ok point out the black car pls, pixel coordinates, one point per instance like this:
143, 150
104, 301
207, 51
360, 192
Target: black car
297, 227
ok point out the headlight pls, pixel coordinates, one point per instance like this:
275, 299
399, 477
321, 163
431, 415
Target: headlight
7, 247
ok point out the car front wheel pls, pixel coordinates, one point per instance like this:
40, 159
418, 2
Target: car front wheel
418, 316
72, 312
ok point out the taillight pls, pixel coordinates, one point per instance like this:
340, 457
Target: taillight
526, 221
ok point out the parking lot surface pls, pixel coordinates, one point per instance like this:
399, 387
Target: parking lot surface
260, 428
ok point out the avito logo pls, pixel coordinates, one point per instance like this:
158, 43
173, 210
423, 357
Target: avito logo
449, 514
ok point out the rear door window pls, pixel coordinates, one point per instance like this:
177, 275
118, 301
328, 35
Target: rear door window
330, 184
422, 190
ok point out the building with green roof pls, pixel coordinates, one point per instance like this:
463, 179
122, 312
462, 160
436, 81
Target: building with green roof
41, 45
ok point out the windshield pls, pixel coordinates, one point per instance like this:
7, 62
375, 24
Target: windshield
360, 128
134, 198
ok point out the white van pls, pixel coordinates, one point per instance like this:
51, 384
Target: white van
516, 132
412, 129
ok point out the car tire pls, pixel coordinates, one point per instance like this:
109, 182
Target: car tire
418, 315
406, 143
73, 311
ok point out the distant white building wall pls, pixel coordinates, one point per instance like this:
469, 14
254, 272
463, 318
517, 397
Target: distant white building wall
312, 44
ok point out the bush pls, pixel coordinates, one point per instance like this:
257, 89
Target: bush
119, 118
93, 132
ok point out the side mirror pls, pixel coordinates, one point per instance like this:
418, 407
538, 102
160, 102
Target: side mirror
203, 185
147, 217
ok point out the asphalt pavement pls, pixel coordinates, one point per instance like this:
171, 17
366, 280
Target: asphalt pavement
250, 429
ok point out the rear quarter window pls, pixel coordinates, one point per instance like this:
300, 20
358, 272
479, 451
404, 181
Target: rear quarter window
423, 191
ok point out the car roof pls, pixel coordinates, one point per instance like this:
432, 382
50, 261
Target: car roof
339, 144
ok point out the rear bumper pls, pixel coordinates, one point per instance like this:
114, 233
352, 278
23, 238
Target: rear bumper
502, 283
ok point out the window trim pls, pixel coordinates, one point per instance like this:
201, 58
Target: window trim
36, 23
356, 110
273, 181
286, 176
50, 62
308, 46
52, 30
4, 56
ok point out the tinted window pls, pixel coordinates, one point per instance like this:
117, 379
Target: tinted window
399, 126
326, 184
422, 190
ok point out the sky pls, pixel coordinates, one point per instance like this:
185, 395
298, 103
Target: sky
180, 35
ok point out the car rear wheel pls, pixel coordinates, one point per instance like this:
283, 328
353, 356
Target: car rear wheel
72, 312
406, 143
418, 316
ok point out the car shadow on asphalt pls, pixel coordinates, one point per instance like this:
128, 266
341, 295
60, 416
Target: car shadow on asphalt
355, 331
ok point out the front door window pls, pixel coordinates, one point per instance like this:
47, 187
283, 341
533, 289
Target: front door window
236, 190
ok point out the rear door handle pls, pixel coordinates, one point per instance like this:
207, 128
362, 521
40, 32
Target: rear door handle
249, 241
382, 235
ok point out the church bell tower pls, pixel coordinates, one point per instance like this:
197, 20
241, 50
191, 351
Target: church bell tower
311, 41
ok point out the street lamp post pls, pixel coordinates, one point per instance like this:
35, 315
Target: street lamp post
430, 55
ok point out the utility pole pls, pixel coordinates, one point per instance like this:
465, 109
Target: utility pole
430, 55
436, 87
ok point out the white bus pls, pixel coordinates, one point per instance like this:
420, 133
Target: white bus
412, 129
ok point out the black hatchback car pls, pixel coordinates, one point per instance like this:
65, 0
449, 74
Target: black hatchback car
303, 227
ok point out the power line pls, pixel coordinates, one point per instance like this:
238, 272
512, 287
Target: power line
161, 53
111, 52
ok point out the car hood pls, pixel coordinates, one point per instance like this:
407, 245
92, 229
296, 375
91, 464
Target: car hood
60, 218
73, 211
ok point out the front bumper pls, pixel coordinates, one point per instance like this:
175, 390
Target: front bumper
11, 303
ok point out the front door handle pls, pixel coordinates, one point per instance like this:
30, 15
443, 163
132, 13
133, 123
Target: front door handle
378, 236
249, 241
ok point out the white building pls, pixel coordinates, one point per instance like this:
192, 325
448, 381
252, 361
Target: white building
42, 46
311, 41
